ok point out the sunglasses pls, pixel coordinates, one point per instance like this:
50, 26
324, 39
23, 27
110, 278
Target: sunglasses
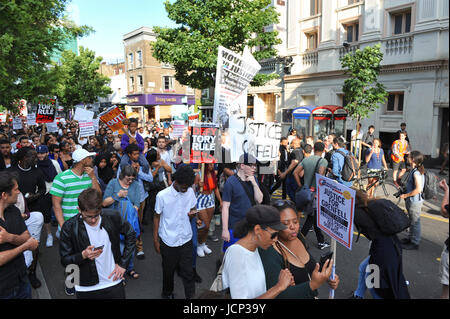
272, 235
283, 202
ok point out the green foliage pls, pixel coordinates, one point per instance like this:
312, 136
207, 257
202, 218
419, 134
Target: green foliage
79, 79
203, 26
362, 90
30, 31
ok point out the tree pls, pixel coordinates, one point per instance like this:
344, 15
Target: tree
204, 25
30, 31
362, 91
79, 79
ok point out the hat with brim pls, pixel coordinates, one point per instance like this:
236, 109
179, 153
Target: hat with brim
265, 216
81, 154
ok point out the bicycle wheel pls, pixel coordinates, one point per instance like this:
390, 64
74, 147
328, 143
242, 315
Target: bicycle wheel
391, 189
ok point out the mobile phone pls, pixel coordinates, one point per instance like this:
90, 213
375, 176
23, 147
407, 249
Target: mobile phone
98, 248
324, 258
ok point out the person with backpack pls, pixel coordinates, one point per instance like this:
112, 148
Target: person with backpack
380, 220
338, 159
414, 199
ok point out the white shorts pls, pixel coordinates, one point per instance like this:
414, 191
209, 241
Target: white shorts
444, 266
205, 201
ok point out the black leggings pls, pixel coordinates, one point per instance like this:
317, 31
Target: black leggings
45, 207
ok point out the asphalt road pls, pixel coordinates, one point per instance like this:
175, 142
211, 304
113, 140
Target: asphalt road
421, 267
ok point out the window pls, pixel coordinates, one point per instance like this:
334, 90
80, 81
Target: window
168, 84
401, 22
352, 32
131, 87
315, 7
395, 102
349, 2
205, 93
311, 41
130, 61
139, 59
140, 82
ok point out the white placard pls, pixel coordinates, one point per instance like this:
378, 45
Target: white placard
178, 128
52, 127
86, 128
234, 73
83, 115
31, 119
17, 123
335, 210
96, 121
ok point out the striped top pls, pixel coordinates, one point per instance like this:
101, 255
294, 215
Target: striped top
69, 186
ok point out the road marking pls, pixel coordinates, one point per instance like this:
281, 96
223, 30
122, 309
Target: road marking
441, 219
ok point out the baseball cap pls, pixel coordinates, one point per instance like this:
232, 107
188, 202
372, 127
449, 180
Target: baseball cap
42, 149
264, 215
81, 154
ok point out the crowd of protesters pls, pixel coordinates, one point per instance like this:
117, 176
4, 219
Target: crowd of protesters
100, 191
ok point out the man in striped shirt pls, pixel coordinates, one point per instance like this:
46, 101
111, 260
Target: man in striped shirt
70, 183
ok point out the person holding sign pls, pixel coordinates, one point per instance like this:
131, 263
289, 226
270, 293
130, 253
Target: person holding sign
290, 252
134, 138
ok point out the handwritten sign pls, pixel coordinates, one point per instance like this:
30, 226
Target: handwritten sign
335, 210
203, 142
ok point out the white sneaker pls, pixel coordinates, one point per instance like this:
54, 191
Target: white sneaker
49, 242
206, 249
200, 252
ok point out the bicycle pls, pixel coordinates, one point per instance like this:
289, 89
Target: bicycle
383, 188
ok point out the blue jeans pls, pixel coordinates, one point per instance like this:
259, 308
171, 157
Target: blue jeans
194, 241
361, 290
291, 187
131, 263
414, 209
21, 291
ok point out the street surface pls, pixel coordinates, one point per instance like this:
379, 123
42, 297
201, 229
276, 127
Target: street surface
421, 267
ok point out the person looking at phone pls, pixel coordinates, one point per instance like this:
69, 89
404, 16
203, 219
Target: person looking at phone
290, 252
91, 240
241, 191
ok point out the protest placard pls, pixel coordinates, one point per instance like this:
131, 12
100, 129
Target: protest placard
45, 113
96, 124
52, 127
83, 115
234, 73
86, 128
265, 141
113, 118
178, 128
203, 142
335, 210
17, 123
31, 119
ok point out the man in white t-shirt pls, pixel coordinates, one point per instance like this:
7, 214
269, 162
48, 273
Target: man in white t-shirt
91, 241
166, 156
172, 231
356, 141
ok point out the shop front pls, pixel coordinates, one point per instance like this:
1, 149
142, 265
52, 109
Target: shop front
159, 107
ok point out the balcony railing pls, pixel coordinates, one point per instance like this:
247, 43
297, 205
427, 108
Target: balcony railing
399, 45
268, 66
348, 49
310, 58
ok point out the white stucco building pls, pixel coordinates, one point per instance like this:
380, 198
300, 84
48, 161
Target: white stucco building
414, 40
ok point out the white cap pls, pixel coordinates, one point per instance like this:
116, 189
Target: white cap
81, 154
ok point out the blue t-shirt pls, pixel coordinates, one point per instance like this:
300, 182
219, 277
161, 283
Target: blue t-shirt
375, 161
114, 187
234, 193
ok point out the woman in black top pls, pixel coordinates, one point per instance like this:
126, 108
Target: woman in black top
290, 251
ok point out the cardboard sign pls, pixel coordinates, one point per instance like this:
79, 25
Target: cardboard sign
335, 210
45, 114
31, 119
86, 128
203, 142
113, 118
83, 115
17, 123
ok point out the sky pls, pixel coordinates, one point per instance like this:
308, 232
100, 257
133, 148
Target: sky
111, 19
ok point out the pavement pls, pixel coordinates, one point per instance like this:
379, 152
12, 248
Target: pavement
421, 267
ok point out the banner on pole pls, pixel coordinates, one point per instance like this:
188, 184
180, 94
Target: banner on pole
203, 142
113, 118
234, 73
335, 210
45, 113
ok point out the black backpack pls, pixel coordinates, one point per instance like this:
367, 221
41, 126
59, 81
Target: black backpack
389, 218
430, 188
350, 168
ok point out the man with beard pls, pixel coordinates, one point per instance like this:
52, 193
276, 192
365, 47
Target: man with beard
29, 179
